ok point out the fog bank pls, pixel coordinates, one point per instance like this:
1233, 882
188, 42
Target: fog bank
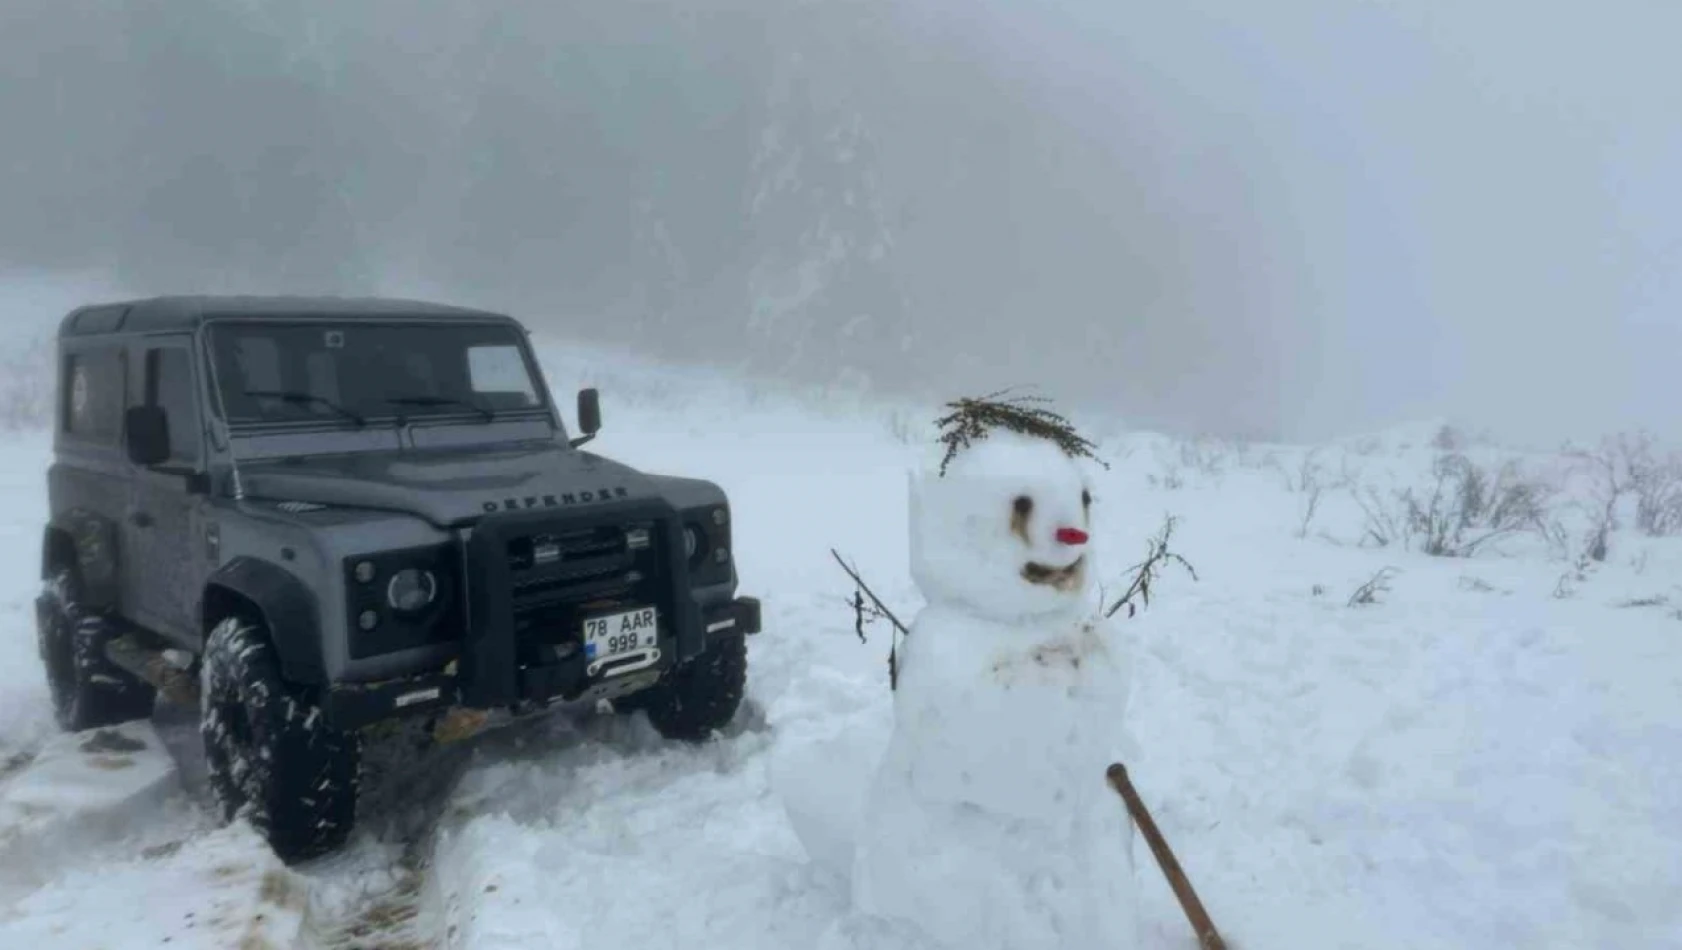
1291, 221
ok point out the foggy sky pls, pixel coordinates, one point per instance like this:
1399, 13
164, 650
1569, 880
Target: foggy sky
1292, 219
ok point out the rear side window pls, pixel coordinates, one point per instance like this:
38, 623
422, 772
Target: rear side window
169, 385
93, 381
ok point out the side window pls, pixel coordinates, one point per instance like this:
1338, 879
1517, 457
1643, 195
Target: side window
93, 384
169, 385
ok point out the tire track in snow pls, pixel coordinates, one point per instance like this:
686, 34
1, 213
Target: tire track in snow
373, 894
382, 891
378, 894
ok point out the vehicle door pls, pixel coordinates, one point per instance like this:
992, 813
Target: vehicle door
165, 572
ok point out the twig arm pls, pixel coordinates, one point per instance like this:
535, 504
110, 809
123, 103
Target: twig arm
865, 589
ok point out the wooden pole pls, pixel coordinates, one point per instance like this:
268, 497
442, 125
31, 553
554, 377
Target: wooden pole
1207, 937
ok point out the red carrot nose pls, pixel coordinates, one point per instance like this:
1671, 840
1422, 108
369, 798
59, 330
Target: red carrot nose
1071, 536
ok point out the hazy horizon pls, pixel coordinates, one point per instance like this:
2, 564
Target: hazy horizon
1294, 222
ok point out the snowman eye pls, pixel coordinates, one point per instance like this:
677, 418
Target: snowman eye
1023, 506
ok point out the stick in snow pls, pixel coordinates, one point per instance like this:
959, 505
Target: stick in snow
1207, 937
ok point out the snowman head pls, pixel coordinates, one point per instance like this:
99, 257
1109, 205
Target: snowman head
1005, 533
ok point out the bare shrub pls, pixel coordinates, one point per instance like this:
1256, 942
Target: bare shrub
1568, 583
1479, 586
1465, 509
1631, 465
1658, 498
1309, 471
1170, 476
1384, 524
1656, 600
1205, 456
902, 428
1448, 439
1309, 508
1311, 480
1611, 483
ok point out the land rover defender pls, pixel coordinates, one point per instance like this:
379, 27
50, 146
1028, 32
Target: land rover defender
308, 516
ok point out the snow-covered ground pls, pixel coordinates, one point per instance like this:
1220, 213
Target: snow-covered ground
1488, 756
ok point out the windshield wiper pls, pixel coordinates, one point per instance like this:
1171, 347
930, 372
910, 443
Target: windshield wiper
490, 416
296, 398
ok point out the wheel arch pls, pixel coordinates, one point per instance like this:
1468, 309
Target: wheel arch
87, 543
262, 593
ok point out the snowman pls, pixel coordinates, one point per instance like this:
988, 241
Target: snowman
989, 823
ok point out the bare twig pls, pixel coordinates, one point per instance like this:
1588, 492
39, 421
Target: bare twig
1579, 574
1310, 507
1368, 593
875, 610
1208, 938
1145, 572
1656, 600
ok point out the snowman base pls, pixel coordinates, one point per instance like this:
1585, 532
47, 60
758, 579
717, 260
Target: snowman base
989, 823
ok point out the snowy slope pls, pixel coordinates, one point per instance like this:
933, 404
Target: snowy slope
1472, 761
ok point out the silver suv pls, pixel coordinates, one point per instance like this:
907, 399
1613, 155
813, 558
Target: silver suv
308, 516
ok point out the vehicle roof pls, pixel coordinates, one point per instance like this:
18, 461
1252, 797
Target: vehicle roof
156, 314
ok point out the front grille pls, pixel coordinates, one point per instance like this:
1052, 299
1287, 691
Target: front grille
534, 577
559, 577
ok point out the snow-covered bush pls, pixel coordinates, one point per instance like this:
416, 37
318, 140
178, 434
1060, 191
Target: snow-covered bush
1630, 467
1205, 456
1656, 482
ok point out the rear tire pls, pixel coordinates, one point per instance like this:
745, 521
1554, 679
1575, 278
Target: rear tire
270, 752
88, 690
700, 697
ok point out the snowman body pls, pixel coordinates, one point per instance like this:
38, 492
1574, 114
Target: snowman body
989, 822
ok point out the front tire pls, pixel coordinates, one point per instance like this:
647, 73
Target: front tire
270, 752
87, 689
700, 697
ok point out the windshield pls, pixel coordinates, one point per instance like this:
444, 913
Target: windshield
351, 373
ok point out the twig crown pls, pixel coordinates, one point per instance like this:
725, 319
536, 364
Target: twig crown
971, 420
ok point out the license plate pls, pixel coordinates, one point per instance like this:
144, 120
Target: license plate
614, 635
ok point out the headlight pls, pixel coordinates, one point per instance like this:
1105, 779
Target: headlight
411, 590
691, 541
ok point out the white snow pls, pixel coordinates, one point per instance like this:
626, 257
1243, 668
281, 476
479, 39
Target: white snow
1472, 761
76, 791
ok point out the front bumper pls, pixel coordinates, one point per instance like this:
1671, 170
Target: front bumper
354, 705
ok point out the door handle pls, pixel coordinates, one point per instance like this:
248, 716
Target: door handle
140, 519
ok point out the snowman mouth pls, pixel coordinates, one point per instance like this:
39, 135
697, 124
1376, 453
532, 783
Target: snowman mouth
1065, 578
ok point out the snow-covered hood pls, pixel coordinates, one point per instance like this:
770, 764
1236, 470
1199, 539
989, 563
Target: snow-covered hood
449, 487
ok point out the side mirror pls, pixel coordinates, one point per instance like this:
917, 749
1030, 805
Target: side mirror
589, 415
146, 435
